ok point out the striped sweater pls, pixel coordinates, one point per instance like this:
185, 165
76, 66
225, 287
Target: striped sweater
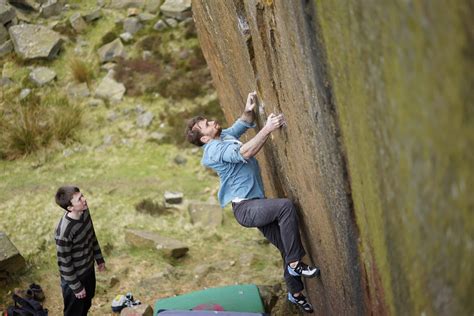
77, 247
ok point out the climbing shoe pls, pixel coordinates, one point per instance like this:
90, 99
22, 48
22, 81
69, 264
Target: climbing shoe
301, 302
303, 269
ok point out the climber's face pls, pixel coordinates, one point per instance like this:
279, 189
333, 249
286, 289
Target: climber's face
209, 129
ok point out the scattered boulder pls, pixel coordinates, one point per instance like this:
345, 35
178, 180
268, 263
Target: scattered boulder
11, 260
167, 246
109, 89
3, 34
77, 22
160, 25
51, 8
6, 48
171, 22
157, 137
78, 90
42, 75
137, 310
26, 5
178, 9
144, 120
133, 11
180, 160
24, 93
7, 13
125, 4
94, 103
153, 6
93, 15
112, 50
126, 37
132, 25
5, 82
35, 41
205, 214
173, 197
145, 17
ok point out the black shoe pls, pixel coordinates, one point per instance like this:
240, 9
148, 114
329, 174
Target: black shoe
303, 269
301, 302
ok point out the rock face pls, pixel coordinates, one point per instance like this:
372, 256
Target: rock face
10, 259
377, 153
35, 41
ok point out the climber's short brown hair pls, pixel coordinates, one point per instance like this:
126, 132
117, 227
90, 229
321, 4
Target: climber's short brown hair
64, 195
193, 135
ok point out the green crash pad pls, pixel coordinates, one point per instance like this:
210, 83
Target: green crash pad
235, 298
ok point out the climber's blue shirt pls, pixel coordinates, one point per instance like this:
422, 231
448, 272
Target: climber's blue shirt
239, 177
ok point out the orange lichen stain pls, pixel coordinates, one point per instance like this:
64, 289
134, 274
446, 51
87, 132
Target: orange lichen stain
268, 2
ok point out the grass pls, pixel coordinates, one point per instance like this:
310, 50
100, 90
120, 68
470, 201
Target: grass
81, 71
36, 123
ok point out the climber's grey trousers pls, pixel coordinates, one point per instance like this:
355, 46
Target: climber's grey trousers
278, 221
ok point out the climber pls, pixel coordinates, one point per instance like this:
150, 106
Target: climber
241, 184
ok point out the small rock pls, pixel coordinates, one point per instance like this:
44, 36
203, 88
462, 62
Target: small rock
78, 90
93, 15
133, 11
126, 37
153, 6
51, 8
35, 41
145, 17
173, 197
178, 9
146, 54
42, 75
77, 22
168, 246
157, 136
7, 13
11, 260
145, 119
112, 50
125, 4
171, 22
110, 89
108, 66
6, 48
108, 139
3, 34
24, 93
180, 160
160, 25
132, 25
